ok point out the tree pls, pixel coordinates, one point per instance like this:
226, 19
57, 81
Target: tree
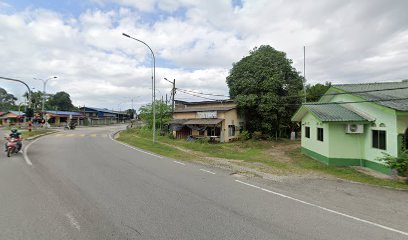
36, 100
7, 100
146, 113
60, 101
313, 93
260, 84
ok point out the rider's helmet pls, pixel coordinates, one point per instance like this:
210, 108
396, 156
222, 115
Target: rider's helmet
14, 130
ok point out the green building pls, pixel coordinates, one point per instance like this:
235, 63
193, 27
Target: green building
353, 124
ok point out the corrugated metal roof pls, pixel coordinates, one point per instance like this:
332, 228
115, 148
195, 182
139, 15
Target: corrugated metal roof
334, 113
105, 110
401, 105
204, 109
203, 121
64, 113
17, 113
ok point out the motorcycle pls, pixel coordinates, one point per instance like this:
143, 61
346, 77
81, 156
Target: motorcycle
12, 145
71, 126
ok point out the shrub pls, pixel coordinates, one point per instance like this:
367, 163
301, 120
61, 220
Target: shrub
400, 163
256, 135
170, 135
245, 135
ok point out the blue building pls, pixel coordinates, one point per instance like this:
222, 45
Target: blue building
98, 116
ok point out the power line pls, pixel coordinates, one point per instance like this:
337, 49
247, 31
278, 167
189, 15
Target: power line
363, 101
201, 96
319, 103
339, 103
342, 93
301, 96
201, 93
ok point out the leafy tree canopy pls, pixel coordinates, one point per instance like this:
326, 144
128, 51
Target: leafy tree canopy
314, 92
36, 99
260, 83
60, 101
7, 100
162, 109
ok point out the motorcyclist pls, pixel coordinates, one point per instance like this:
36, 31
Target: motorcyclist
15, 134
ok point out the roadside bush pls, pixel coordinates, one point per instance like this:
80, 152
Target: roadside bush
245, 135
170, 135
256, 135
400, 164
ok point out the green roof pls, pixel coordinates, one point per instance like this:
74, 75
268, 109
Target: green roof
328, 113
400, 105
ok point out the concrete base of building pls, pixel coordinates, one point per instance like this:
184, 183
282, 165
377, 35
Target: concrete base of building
343, 162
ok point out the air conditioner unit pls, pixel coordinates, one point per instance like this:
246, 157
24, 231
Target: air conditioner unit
354, 128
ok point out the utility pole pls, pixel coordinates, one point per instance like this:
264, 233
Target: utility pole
304, 73
173, 93
133, 111
161, 109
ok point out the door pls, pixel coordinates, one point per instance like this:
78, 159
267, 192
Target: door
183, 133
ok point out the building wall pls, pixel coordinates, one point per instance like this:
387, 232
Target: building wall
11, 118
188, 115
344, 145
312, 143
385, 119
230, 118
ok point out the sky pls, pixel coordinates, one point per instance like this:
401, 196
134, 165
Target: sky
195, 42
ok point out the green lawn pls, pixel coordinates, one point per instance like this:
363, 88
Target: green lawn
280, 156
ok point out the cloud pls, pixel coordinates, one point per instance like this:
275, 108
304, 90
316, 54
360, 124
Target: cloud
196, 43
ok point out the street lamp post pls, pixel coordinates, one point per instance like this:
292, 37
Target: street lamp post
44, 85
28, 88
29, 93
153, 84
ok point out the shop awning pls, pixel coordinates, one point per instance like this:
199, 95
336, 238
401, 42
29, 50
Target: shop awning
178, 121
203, 121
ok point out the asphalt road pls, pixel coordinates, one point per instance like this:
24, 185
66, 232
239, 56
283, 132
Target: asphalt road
84, 185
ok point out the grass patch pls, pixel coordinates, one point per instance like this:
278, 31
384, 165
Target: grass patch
146, 143
249, 151
34, 133
346, 173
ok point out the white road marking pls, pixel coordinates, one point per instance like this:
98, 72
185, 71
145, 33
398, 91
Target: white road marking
25, 150
179, 163
93, 135
206, 171
326, 209
126, 145
73, 221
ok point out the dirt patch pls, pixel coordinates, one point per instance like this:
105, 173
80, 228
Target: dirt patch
279, 151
